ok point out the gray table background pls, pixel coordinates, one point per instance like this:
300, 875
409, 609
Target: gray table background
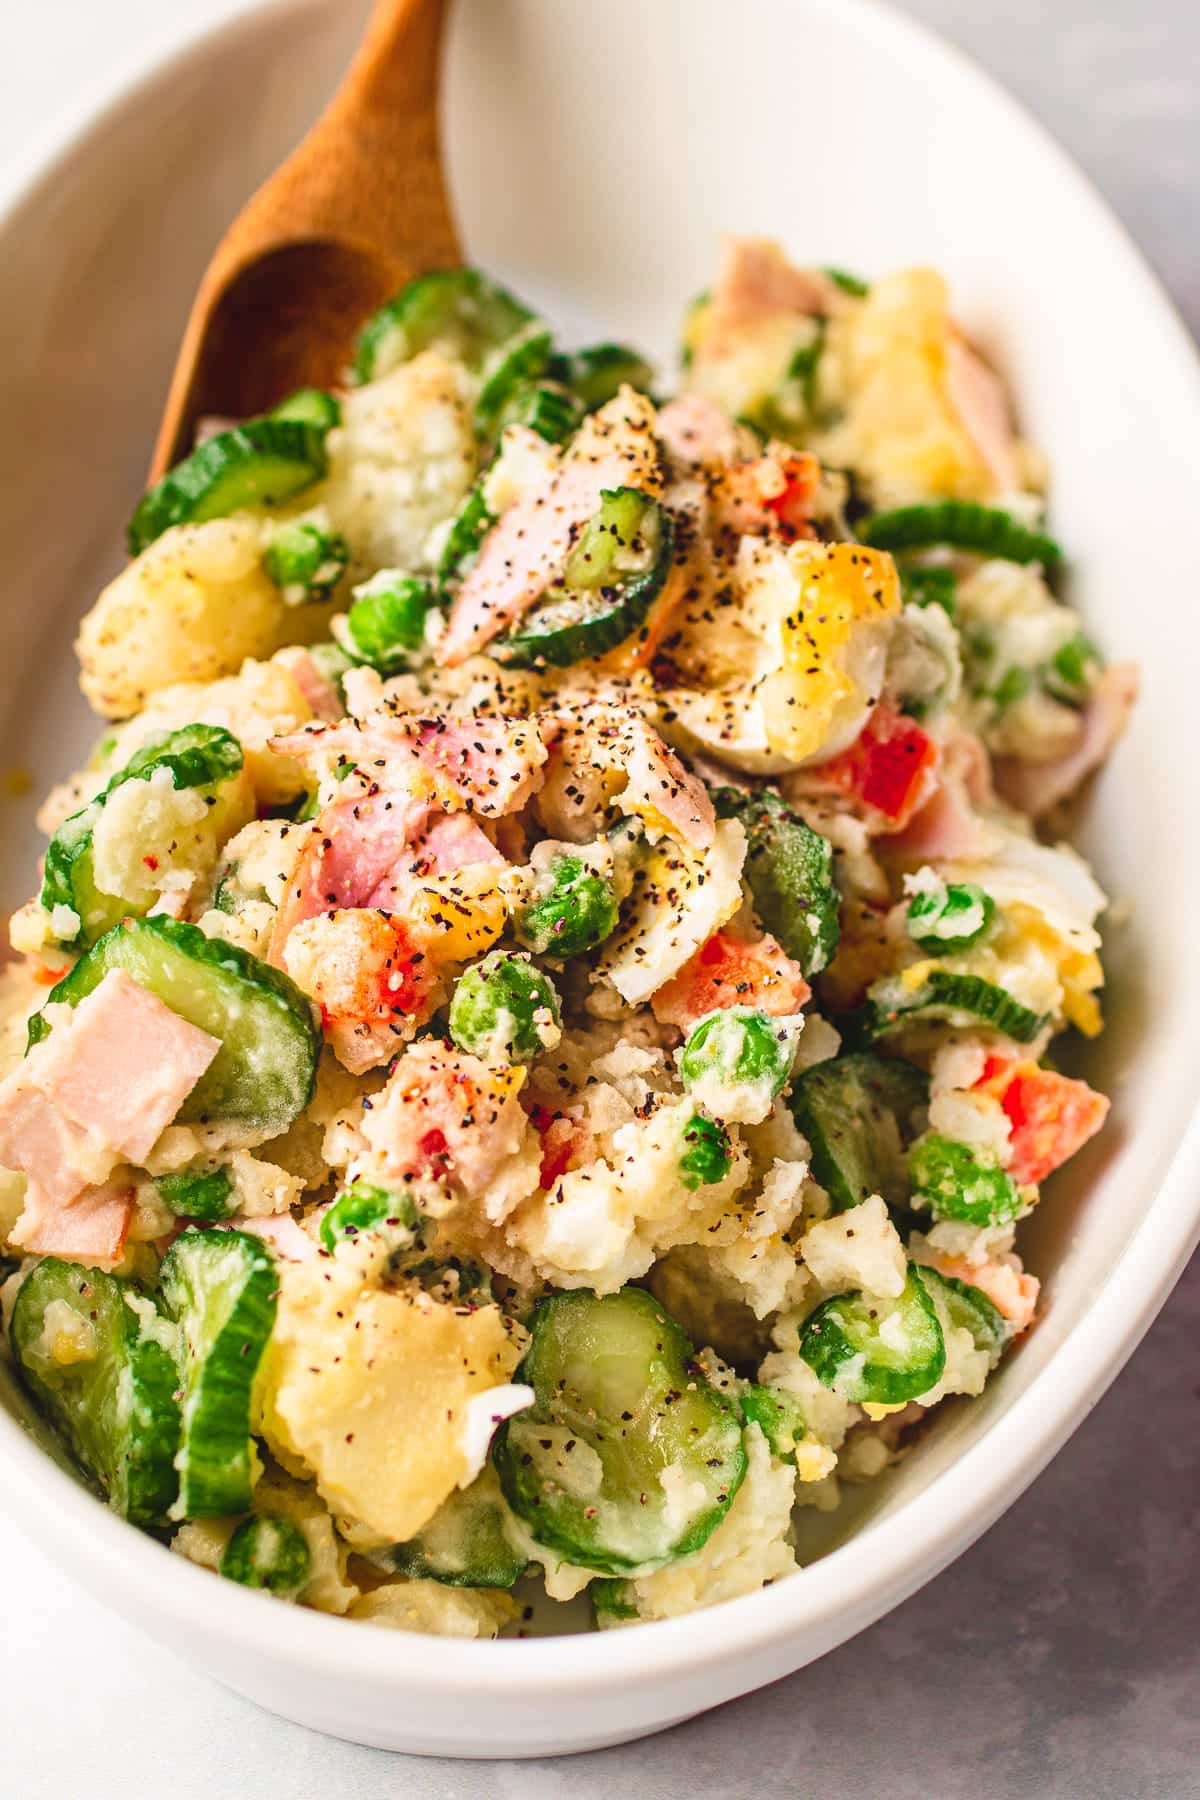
1061, 1656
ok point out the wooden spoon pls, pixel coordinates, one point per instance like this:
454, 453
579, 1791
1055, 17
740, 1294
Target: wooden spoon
357, 210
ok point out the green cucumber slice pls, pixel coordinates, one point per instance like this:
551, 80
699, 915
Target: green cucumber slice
198, 756
968, 1307
264, 1072
507, 371
458, 308
109, 1390
310, 406
270, 1552
931, 585
790, 871
854, 285
220, 1287
546, 408
199, 1192
963, 525
467, 1543
596, 374
956, 1181
619, 1403
860, 1113
778, 1415
259, 463
962, 1000
614, 573
880, 1351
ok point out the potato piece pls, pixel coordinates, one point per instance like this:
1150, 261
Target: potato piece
369, 1388
192, 607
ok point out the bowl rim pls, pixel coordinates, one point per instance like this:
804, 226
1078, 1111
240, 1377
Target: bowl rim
884, 1561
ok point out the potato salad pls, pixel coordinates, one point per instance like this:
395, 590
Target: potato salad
533, 1043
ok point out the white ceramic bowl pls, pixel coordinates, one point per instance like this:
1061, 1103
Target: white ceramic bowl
596, 152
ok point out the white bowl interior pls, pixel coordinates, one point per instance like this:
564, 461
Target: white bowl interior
596, 153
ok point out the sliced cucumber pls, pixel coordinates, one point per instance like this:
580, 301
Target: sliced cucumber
611, 1603
778, 1415
854, 285
962, 525
198, 756
363, 1207
874, 1350
458, 308
619, 1405
221, 1288
107, 1388
310, 406
931, 585
790, 871
546, 408
956, 1181
598, 373
200, 1192
962, 1000
264, 1072
860, 1113
271, 1552
612, 576
259, 463
467, 1543
968, 1307
506, 373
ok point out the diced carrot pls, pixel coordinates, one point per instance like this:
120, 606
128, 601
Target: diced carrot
1051, 1118
731, 971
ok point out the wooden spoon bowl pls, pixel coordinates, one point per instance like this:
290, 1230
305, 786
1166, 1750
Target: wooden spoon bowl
358, 209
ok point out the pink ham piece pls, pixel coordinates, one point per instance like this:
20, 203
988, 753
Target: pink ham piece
757, 282
529, 545
451, 842
123, 1065
92, 1228
694, 430
446, 1116
316, 687
1036, 787
947, 827
280, 1230
348, 856
1011, 1291
58, 1157
978, 396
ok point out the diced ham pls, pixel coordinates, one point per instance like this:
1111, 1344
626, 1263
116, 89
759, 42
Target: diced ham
348, 854
123, 1064
948, 827
372, 978
978, 396
756, 281
1011, 1291
695, 430
93, 1228
732, 971
448, 1117
280, 1230
58, 1156
449, 843
530, 543
1036, 787
316, 686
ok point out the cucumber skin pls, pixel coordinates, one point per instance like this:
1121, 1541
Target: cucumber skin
465, 1544
139, 1478
965, 525
430, 307
943, 994
790, 871
196, 756
119, 948
969, 1307
216, 1474
185, 495
874, 1083
534, 646
827, 1345
522, 1493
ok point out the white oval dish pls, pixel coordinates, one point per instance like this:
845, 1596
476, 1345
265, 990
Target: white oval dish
596, 152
